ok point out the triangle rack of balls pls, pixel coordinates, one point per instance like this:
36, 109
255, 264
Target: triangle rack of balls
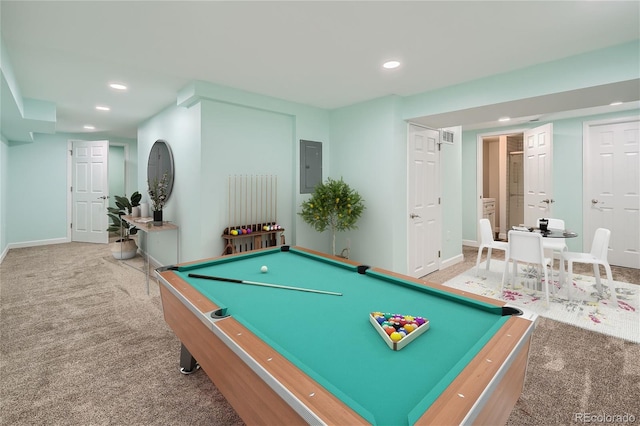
398, 330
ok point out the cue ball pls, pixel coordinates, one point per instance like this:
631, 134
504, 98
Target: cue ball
264, 269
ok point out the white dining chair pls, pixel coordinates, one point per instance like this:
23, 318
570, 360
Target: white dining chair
526, 247
596, 257
487, 241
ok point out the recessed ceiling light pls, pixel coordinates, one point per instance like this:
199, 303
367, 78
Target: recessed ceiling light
391, 65
89, 127
102, 108
118, 86
504, 119
615, 103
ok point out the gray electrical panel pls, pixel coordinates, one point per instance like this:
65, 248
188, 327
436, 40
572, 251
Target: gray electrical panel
310, 165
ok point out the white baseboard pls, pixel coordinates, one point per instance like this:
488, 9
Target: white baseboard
153, 262
4, 254
470, 243
31, 244
38, 243
451, 261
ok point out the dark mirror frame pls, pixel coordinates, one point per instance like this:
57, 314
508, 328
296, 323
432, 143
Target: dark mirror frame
161, 161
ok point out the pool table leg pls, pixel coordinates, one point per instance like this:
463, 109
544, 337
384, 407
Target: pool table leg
188, 364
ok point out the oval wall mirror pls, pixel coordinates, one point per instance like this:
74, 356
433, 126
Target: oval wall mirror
161, 162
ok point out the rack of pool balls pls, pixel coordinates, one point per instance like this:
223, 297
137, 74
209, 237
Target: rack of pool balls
398, 330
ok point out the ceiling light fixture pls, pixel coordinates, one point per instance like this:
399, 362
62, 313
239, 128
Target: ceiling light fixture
118, 86
615, 103
102, 108
391, 65
503, 119
89, 127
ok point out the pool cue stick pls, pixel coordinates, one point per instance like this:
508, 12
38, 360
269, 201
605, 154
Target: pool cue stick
235, 200
251, 212
260, 207
285, 287
246, 200
266, 199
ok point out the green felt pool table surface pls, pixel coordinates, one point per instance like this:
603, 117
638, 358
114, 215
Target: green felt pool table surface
330, 337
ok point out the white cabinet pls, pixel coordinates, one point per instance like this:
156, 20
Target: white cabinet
489, 211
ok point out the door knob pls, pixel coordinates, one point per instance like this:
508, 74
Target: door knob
413, 215
594, 201
104, 197
548, 200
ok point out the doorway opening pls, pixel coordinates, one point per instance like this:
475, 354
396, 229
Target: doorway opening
502, 179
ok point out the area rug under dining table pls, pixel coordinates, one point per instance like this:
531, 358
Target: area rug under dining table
587, 308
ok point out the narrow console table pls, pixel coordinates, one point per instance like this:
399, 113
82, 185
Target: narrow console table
145, 226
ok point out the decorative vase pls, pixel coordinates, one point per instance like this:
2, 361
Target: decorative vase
157, 217
124, 249
144, 209
135, 211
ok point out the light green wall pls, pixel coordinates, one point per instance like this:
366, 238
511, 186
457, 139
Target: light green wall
244, 141
451, 197
604, 66
567, 173
368, 150
309, 124
37, 188
116, 174
37, 194
217, 131
3, 197
180, 128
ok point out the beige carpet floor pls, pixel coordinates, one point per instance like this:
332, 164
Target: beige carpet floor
81, 343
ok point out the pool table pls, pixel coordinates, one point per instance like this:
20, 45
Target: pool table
286, 356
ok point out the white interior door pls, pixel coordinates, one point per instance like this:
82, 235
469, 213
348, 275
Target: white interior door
90, 191
538, 173
423, 184
612, 188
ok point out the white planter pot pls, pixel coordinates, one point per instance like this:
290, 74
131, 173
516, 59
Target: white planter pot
123, 250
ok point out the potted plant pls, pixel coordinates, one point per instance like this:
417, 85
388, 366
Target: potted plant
124, 247
333, 205
158, 196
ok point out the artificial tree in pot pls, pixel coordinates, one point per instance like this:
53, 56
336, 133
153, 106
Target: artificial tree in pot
333, 205
124, 247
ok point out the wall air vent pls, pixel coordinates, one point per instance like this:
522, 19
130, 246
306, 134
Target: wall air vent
446, 136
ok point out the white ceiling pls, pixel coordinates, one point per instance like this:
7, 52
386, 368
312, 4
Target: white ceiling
324, 54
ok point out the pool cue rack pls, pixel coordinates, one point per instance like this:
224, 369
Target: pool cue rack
253, 240
252, 213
